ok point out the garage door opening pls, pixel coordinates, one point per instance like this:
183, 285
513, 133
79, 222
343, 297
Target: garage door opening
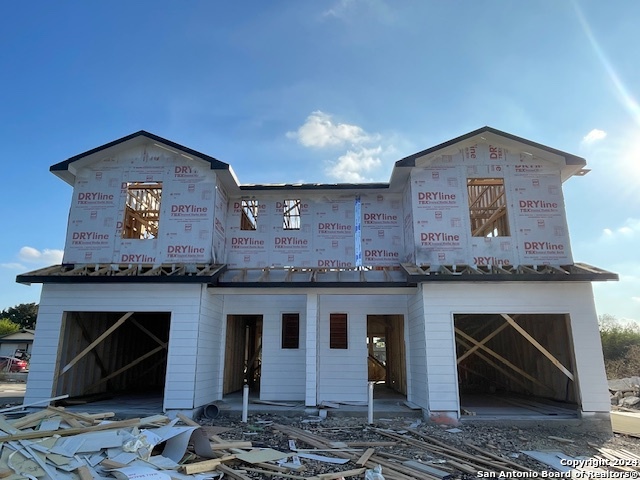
515, 365
243, 353
386, 354
107, 354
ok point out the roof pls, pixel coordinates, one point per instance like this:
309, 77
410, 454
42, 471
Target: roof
62, 169
572, 164
404, 275
22, 335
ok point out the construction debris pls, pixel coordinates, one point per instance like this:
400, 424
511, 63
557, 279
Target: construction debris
54, 443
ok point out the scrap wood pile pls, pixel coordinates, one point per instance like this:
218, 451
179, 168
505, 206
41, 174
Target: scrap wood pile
54, 443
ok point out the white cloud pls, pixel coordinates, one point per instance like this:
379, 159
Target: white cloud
636, 299
320, 131
46, 256
339, 8
593, 136
629, 230
353, 165
363, 151
13, 266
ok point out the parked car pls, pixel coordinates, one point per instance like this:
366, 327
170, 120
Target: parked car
13, 364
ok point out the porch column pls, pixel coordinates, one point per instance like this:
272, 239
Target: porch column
311, 346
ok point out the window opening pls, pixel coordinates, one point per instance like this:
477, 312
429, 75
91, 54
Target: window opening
249, 220
338, 330
290, 330
142, 210
487, 207
291, 214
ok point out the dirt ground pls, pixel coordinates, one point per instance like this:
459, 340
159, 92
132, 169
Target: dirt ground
505, 441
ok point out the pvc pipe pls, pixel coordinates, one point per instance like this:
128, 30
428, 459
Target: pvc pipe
211, 411
370, 412
245, 402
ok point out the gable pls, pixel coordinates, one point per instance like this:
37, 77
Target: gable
68, 169
488, 145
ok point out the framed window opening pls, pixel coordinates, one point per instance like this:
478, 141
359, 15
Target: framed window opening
249, 219
291, 214
142, 210
290, 330
487, 207
338, 337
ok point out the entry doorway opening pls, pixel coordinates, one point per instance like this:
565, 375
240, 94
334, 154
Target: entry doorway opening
515, 365
102, 355
243, 353
386, 353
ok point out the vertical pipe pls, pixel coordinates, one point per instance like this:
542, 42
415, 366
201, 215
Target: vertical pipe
245, 402
370, 412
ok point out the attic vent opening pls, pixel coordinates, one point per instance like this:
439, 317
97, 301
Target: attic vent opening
249, 219
487, 207
142, 210
291, 214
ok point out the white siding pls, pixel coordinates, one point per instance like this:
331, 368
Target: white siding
442, 301
283, 370
182, 301
416, 352
210, 342
343, 373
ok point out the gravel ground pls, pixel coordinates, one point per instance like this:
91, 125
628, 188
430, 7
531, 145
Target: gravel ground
506, 441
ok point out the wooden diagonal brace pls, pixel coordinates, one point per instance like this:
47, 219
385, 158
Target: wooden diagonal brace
109, 331
535, 343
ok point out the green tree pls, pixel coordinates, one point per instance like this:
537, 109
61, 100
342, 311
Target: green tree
23, 315
620, 346
7, 326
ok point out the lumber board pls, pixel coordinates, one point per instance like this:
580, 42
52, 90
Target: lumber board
365, 456
84, 473
481, 342
205, 466
90, 347
626, 423
346, 473
227, 445
187, 421
500, 358
536, 344
231, 473
132, 422
126, 367
31, 420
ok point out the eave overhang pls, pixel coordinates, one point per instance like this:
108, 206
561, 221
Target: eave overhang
405, 275
577, 272
124, 273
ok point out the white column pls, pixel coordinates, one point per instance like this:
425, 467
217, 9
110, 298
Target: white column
311, 348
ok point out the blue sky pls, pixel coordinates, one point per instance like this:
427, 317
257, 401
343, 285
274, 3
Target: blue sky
322, 91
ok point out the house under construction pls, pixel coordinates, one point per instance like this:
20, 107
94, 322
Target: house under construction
454, 279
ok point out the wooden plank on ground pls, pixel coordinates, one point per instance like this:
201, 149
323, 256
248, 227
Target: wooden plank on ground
365, 456
346, 473
231, 473
132, 422
205, 466
626, 423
